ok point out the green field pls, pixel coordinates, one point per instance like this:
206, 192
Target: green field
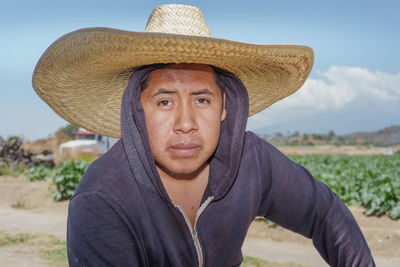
372, 182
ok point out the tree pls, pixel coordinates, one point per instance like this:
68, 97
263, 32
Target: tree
69, 130
66, 133
296, 134
317, 136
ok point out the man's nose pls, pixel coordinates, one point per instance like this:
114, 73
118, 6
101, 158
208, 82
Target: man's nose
185, 119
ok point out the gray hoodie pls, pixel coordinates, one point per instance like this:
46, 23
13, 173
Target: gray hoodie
121, 215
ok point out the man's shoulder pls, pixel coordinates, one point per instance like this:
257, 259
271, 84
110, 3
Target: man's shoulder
254, 143
259, 152
106, 172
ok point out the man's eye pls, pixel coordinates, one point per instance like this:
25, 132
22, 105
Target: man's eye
164, 103
202, 101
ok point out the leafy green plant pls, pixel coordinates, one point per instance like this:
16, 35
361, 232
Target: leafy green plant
372, 182
67, 177
38, 173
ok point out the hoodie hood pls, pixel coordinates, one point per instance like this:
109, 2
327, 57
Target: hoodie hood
225, 161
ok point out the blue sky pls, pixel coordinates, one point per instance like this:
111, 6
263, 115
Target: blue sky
354, 84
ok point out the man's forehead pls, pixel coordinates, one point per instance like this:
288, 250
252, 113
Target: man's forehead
182, 71
197, 75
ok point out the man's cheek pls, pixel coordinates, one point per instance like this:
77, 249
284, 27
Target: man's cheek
158, 128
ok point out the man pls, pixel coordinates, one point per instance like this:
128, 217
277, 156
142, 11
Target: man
183, 184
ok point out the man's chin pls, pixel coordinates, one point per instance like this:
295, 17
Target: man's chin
183, 173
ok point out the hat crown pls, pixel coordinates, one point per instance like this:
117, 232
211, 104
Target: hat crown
178, 19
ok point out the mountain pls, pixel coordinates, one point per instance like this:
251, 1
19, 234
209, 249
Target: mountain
387, 136
357, 118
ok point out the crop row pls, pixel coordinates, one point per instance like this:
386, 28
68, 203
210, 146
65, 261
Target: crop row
372, 182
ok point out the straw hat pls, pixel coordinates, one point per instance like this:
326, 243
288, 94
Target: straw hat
82, 75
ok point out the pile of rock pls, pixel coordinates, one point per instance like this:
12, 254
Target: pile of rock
12, 155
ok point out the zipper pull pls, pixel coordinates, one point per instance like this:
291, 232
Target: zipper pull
195, 234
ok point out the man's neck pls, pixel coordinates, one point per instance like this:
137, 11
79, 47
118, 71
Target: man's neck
186, 193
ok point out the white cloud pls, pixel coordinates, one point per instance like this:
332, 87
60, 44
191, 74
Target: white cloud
339, 86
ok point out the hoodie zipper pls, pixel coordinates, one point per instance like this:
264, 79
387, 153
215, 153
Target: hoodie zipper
193, 230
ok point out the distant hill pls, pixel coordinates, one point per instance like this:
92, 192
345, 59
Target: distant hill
387, 136
355, 118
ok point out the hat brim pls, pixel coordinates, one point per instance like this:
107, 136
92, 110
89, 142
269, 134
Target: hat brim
83, 74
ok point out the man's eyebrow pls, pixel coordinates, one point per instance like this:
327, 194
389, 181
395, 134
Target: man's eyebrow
166, 91
202, 92
163, 91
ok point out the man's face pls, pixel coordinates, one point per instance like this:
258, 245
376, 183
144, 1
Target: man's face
183, 109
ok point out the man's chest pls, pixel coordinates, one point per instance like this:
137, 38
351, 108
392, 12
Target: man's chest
188, 198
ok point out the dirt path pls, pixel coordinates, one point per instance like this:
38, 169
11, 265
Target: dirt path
28, 208
280, 245
15, 220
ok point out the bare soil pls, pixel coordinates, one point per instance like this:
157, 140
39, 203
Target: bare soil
382, 235
27, 207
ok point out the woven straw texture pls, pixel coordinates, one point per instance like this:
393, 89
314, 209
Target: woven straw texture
83, 74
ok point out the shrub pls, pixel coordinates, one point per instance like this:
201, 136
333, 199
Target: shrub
39, 172
68, 130
67, 177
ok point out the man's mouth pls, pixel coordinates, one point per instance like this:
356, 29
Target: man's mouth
184, 149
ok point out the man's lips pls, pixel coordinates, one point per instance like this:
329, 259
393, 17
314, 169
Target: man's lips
184, 149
